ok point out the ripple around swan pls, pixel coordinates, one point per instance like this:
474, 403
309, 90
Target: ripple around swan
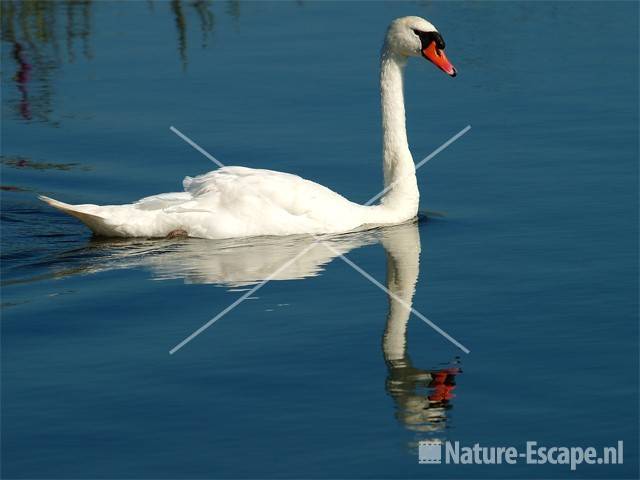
231, 263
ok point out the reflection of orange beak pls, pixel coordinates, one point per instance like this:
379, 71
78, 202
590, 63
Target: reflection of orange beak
439, 59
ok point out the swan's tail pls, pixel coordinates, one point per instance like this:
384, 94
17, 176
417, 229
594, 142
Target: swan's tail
98, 224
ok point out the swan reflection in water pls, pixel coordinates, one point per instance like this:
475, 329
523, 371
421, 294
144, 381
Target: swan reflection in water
422, 397
229, 263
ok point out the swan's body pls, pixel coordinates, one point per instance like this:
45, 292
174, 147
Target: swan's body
226, 203
244, 202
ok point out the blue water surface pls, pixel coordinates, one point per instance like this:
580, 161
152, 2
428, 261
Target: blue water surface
526, 251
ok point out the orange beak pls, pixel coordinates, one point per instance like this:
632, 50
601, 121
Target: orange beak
439, 59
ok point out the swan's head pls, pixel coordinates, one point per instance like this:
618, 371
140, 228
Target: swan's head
415, 37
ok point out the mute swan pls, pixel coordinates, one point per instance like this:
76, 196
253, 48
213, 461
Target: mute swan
244, 202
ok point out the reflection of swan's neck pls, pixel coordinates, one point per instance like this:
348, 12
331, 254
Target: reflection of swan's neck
403, 267
398, 164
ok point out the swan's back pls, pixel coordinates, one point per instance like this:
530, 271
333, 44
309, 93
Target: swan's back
226, 203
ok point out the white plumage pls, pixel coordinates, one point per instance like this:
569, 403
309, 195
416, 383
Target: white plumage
244, 202
226, 203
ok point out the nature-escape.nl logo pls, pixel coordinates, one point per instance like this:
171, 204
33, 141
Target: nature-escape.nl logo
431, 452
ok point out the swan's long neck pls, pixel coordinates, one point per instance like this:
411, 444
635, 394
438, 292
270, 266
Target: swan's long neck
399, 170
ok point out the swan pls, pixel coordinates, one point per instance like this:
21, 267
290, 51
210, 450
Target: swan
234, 202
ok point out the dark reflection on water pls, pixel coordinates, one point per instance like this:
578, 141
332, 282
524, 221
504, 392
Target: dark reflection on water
33, 31
206, 19
21, 78
21, 162
29, 32
181, 24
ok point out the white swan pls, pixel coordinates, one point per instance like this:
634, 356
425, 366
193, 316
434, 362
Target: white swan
244, 202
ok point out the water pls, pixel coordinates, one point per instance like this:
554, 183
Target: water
527, 252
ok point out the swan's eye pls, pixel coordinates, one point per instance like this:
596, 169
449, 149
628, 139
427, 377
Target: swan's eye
427, 37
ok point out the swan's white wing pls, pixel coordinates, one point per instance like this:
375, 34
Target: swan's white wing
279, 190
162, 201
246, 201
226, 203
